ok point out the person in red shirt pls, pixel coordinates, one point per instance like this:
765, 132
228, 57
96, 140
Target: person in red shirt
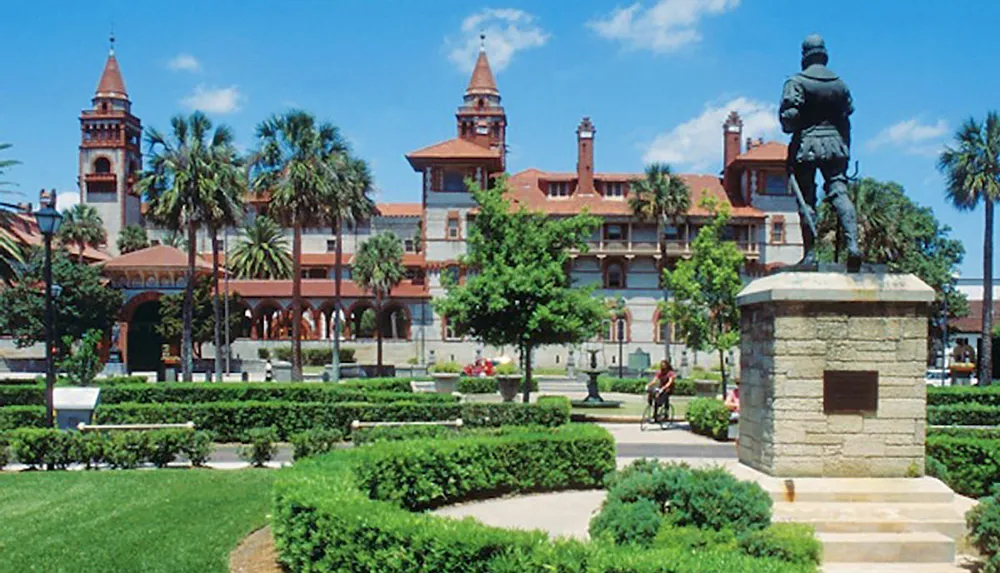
660, 388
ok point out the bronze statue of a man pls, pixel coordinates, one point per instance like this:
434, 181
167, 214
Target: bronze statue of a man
815, 108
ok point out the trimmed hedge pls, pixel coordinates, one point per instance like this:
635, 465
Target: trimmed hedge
353, 510
57, 449
946, 395
471, 385
311, 356
383, 384
14, 417
229, 421
682, 386
960, 432
190, 393
709, 417
379, 434
64, 381
963, 414
972, 464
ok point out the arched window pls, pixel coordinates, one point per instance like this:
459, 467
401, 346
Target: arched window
614, 276
102, 165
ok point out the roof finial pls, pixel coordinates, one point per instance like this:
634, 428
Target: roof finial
112, 40
482, 40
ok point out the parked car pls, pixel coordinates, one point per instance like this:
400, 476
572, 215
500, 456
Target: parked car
937, 377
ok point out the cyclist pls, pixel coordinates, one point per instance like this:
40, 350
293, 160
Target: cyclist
660, 388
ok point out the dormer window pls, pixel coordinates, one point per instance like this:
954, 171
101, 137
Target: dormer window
102, 165
558, 189
454, 181
614, 189
775, 184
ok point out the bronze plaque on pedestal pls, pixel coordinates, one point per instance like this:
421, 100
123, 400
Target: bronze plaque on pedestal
850, 391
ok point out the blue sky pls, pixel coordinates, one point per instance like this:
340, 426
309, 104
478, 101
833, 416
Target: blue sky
656, 77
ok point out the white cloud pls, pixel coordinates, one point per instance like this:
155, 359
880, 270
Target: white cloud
664, 27
697, 143
66, 199
214, 100
508, 31
184, 62
912, 136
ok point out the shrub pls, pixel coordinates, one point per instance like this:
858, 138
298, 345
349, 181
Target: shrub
936, 469
447, 368
506, 369
971, 464
314, 356
263, 353
983, 522
960, 432
682, 386
635, 522
261, 447
383, 384
315, 441
89, 448
14, 417
964, 414
709, 417
790, 542
187, 393
166, 445
38, 447
83, 363
948, 395
469, 385
397, 433
693, 539
127, 450
4, 452
198, 448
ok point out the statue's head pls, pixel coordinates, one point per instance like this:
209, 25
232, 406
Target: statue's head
814, 51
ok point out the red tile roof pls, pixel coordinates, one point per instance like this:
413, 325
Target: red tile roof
316, 288
454, 149
158, 258
400, 209
111, 84
770, 151
972, 322
482, 82
525, 190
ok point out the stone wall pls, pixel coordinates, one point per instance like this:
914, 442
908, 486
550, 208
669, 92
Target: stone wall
787, 346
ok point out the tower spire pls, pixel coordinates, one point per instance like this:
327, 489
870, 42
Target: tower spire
111, 40
482, 82
111, 85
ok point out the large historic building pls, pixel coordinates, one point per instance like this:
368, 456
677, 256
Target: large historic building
624, 257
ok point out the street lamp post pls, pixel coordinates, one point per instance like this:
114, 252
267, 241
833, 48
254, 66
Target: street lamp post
48, 220
225, 269
621, 343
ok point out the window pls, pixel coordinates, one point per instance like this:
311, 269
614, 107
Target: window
775, 184
331, 245
454, 181
482, 129
453, 228
614, 232
778, 232
614, 276
664, 331
408, 246
616, 327
614, 189
449, 330
102, 165
314, 273
671, 233
411, 273
729, 233
558, 189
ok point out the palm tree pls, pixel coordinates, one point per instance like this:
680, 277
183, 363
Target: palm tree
880, 221
11, 254
378, 268
662, 197
262, 253
82, 226
132, 238
972, 170
174, 238
181, 191
350, 200
293, 164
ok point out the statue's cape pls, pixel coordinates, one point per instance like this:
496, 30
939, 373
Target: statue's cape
819, 72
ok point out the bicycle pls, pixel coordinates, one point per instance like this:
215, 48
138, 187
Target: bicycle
664, 418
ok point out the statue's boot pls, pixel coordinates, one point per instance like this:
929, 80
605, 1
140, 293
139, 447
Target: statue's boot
849, 225
808, 254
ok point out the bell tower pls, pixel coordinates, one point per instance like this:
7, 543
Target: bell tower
481, 118
110, 155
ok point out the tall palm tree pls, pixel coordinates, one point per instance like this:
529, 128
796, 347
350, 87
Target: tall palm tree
350, 200
262, 252
82, 226
972, 170
181, 191
132, 238
11, 253
378, 268
880, 221
293, 164
174, 238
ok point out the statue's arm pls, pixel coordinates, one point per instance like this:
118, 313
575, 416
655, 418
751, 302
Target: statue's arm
792, 98
848, 110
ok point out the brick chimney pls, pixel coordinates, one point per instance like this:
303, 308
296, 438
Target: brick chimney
732, 133
585, 156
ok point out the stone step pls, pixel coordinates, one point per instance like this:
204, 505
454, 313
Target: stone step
849, 490
875, 517
917, 547
962, 565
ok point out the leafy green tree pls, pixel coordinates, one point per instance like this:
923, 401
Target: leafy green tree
181, 187
972, 170
171, 324
703, 307
293, 164
262, 252
520, 293
83, 364
378, 268
82, 226
85, 302
662, 197
132, 238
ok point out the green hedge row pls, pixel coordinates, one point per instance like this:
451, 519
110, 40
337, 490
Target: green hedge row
468, 385
946, 395
56, 449
709, 417
682, 386
963, 414
13, 417
354, 510
190, 393
229, 421
40, 380
310, 356
961, 432
972, 464
383, 384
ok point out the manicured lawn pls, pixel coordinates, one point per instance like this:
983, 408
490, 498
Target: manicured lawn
162, 521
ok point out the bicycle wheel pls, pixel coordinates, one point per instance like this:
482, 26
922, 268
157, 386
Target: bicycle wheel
646, 419
671, 418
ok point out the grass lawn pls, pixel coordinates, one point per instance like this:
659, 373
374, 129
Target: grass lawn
158, 521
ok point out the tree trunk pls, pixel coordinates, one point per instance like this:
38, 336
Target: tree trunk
526, 393
378, 328
337, 270
187, 343
722, 368
297, 302
216, 310
986, 355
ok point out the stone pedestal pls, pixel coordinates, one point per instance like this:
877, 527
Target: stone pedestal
832, 378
